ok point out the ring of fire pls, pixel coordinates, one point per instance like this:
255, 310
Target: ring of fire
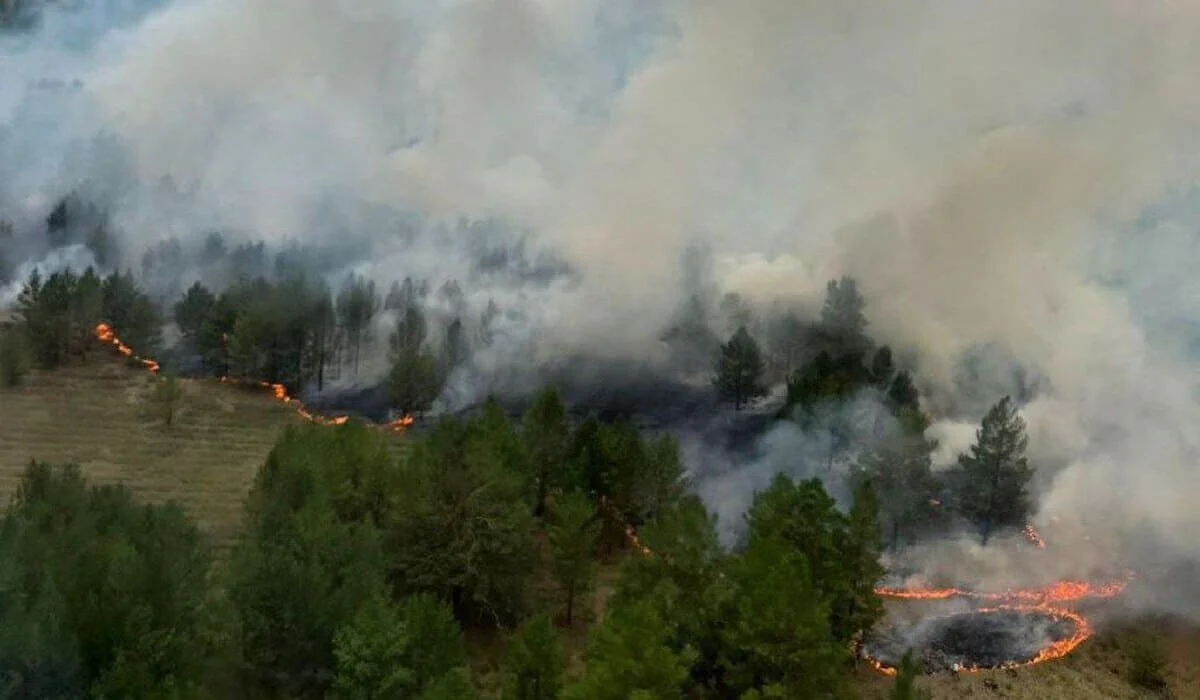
987, 638
1046, 603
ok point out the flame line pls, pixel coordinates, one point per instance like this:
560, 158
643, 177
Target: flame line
1054, 650
105, 334
1047, 600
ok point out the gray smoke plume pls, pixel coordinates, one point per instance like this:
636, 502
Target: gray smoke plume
1008, 175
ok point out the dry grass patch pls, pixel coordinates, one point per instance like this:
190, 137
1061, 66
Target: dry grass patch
1098, 669
100, 417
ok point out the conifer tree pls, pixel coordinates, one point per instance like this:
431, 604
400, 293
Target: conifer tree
905, 686
861, 550
992, 487
166, 397
546, 431
14, 356
573, 536
842, 320
900, 465
740, 369
536, 661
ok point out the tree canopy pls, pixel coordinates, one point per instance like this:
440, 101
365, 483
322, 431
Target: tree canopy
992, 488
372, 566
739, 369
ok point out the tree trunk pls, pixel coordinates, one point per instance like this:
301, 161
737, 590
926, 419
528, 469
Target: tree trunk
570, 604
539, 506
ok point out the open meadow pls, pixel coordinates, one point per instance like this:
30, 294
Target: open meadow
100, 416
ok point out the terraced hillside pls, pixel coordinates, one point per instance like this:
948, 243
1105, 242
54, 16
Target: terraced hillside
99, 416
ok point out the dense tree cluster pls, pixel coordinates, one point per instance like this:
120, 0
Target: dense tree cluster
60, 314
475, 517
361, 574
298, 332
838, 361
102, 597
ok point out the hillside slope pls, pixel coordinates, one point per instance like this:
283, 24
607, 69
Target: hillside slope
1097, 670
99, 416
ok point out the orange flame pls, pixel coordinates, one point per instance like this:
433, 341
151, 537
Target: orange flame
105, 334
1055, 650
631, 533
1042, 600
1047, 600
1066, 591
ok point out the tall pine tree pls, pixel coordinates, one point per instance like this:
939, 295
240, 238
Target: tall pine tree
547, 432
843, 324
740, 369
536, 662
900, 465
992, 489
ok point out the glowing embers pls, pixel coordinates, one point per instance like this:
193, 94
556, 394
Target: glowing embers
1057, 592
999, 637
105, 334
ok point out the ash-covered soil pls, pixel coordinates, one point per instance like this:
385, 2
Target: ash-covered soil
975, 639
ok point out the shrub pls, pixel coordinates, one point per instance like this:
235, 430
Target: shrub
1147, 661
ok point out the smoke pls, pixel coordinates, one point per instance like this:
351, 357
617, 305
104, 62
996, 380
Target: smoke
73, 257
1013, 175
823, 448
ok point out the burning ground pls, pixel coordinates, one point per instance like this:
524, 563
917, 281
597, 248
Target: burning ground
1001, 637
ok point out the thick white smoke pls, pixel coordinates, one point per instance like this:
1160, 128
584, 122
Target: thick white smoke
1013, 173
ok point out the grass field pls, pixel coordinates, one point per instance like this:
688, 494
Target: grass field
99, 417
1096, 670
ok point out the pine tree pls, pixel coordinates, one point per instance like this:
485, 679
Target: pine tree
454, 349
883, 368
415, 379
546, 431
6, 235
842, 320
861, 550
900, 465
902, 392
992, 488
630, 656
357, 304
14, 356
905, 685
390, 650
740, 369
166, 397
777, 631
536, 661
573, 536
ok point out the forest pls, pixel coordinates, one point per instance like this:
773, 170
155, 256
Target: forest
361, 574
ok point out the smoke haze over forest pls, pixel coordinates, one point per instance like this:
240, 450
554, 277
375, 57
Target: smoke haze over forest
1018, 176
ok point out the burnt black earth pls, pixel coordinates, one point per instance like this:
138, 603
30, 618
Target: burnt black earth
978, 639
